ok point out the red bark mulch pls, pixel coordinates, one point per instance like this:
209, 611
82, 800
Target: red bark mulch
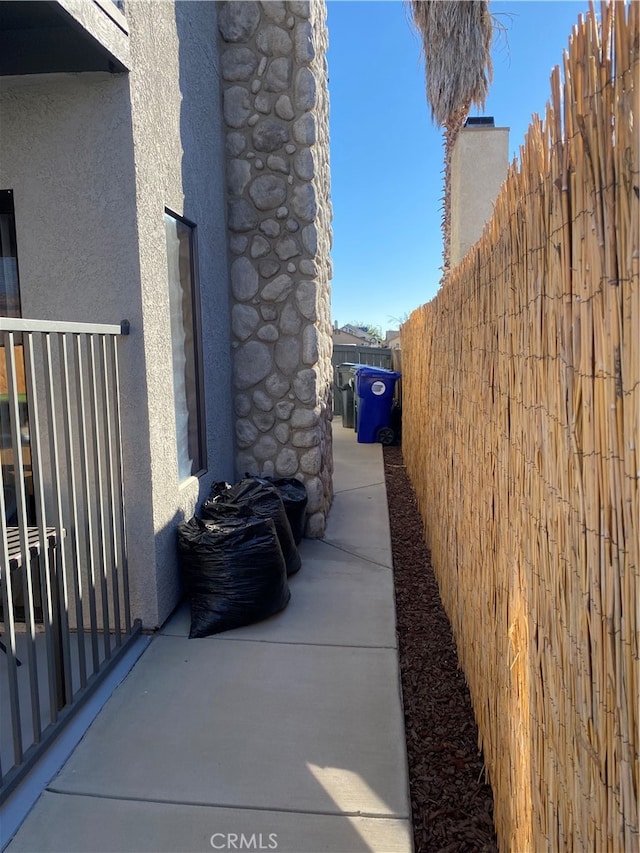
452, 807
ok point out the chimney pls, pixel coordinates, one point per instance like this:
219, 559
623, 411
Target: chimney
479, 165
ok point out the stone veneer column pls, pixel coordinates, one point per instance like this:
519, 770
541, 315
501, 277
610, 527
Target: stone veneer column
276, 112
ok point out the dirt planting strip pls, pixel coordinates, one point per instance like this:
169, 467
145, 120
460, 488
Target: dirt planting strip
452, 806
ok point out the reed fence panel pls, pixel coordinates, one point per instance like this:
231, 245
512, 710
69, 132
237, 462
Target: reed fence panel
521, 435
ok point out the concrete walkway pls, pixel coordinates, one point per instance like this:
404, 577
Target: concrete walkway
287, 735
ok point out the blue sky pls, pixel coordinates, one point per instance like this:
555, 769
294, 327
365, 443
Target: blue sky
387, 156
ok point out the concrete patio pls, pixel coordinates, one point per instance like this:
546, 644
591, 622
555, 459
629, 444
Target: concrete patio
287, 735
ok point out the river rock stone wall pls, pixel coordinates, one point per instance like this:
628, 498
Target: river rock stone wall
276, 113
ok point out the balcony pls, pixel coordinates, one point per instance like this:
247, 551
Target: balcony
65, 617
45, 37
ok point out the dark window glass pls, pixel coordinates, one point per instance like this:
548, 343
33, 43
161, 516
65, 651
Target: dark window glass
9, 279
10, 307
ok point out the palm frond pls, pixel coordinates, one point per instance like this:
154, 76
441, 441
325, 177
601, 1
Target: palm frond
456, 43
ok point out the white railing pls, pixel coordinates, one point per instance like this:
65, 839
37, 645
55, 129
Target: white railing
64, 591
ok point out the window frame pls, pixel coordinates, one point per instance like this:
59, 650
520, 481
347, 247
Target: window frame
7, 208
200, 465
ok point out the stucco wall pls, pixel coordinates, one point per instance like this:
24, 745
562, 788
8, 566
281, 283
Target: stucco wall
179, 164
66, 150
93, 160
275, 101
478, 167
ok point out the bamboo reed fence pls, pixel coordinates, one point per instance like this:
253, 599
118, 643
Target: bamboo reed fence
521, 435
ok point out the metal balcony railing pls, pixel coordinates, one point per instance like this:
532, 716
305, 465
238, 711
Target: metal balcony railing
65, 616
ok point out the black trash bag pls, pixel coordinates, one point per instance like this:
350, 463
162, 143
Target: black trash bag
233, 571
264, 501
294, 497
219, 488
395, 421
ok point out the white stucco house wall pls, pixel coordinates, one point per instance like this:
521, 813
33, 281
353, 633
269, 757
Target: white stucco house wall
93, 159
112, 153
479, 165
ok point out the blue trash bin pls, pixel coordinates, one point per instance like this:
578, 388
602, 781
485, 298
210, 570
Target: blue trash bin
375, 387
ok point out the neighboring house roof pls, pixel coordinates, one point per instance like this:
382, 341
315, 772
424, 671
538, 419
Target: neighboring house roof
359, 333
341, 337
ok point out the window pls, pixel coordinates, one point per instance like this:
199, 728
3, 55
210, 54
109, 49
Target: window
9, 279
10, 307
184, 305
